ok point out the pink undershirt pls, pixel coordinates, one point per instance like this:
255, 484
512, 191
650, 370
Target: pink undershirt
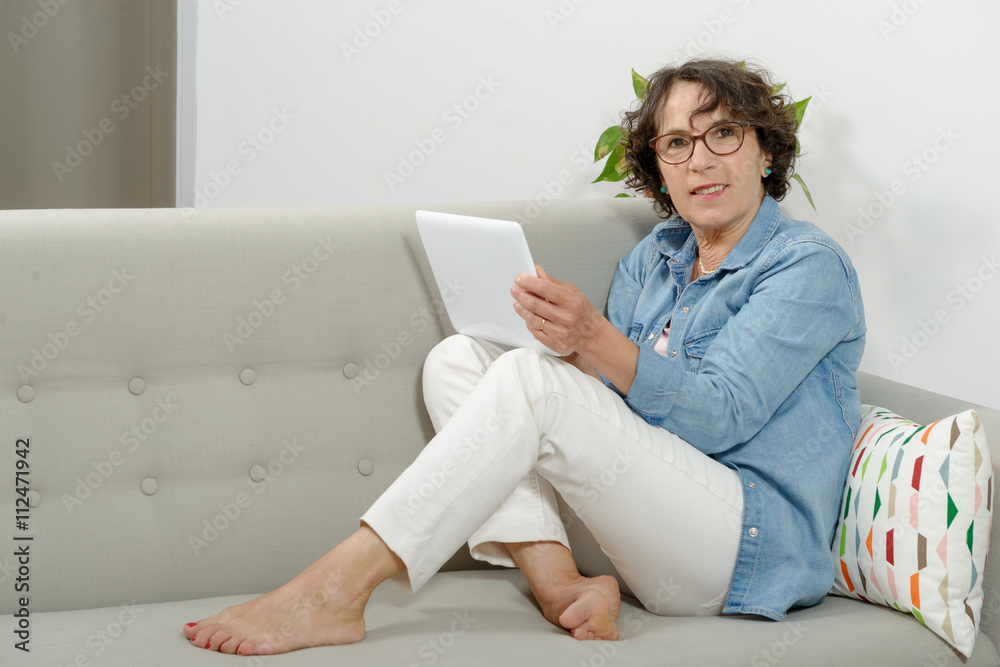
661, 344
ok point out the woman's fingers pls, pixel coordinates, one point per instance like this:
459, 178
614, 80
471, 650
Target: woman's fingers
555, 281
559, 314
533, 319
544, 287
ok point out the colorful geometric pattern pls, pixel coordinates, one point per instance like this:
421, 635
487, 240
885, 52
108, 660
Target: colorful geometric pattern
915, 522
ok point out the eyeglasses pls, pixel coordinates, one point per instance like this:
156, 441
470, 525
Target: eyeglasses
722, 139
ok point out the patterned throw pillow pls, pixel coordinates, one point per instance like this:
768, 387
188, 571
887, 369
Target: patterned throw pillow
915, 527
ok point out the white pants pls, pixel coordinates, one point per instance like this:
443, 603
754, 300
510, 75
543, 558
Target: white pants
515, 427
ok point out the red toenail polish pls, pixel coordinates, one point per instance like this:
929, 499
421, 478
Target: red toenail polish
190, 625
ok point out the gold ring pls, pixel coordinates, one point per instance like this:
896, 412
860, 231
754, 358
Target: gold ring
542, 328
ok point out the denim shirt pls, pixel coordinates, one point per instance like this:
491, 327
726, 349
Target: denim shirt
761, 376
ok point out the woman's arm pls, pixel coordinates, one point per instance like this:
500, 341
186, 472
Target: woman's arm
802, 300
574, 328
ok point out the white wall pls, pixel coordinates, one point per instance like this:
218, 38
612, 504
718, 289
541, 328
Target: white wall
894, 82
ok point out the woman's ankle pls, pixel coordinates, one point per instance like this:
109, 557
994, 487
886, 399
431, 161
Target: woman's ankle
373, 560
548, 567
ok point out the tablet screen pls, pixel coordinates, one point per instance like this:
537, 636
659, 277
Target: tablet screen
475, 261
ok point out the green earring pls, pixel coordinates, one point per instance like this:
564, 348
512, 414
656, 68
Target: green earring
767, 172
663, 189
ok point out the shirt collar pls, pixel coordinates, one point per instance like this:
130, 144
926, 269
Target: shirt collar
674, 239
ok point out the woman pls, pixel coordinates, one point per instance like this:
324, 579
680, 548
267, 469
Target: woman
716, 404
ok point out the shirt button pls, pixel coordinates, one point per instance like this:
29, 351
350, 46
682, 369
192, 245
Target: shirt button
684, 309
753, 532
673, 353
650, 337
752, 485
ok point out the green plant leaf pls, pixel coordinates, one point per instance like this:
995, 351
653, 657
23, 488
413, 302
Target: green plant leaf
639, 85
777, 89
614, 168
609, 139
623, 194
805, 190
800, 109
610, 172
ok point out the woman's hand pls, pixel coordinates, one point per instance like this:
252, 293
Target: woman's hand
558, 314
561, 317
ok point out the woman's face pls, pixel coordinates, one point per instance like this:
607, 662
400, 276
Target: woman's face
711, 192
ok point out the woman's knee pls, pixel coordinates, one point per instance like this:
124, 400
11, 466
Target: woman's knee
524, 362
455, 349
457, 359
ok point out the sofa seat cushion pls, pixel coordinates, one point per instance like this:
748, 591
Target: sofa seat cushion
488, 618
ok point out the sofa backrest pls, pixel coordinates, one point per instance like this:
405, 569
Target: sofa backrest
211, 399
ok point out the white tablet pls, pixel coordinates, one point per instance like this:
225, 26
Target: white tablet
475, 261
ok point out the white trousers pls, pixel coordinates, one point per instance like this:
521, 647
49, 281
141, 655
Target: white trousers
514, 428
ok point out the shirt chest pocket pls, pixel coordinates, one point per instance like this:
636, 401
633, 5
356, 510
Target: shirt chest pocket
695, 347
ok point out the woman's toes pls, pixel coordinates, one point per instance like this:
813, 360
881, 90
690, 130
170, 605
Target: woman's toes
575, 614
591, 616
253, 647
229, 646
220, 637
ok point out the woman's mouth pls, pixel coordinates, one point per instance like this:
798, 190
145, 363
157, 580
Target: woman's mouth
706, 192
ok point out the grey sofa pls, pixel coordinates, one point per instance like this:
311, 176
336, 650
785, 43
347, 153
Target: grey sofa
211, 399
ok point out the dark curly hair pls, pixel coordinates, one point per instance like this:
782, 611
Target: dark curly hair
744, 91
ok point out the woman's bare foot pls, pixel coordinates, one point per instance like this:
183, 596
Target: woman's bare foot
587, 607
322, 606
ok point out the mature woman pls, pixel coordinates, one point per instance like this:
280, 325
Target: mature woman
718, 398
